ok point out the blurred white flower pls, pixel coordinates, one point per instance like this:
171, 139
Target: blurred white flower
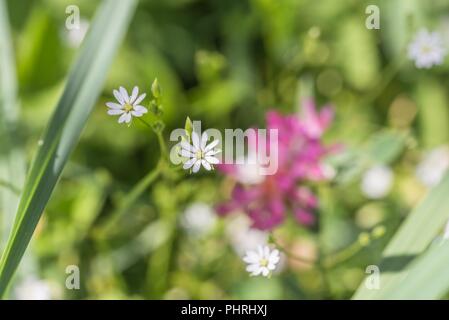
199, 153
328, 170
262, 261
427, 49
198, 219
74, 37
434, 165
242, 237
377, 182
127, 106
248, 172
33, 289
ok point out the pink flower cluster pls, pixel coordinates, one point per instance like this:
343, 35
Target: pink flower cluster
300, 154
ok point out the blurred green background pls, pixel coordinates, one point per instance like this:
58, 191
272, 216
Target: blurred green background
226, 63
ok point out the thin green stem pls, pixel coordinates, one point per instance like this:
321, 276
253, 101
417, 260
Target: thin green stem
131, 198
162, 145
160, 138
140, 188
343, 255
290, 254
145, 123
325, 261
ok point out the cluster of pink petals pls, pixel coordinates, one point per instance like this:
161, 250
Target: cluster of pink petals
300, 155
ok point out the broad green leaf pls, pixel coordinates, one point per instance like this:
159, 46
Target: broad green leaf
426, 279
413, 237
383, 147
83, 87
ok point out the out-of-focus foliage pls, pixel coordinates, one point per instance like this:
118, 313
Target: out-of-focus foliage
226, 63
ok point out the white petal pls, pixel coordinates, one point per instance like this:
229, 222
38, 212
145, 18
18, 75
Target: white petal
136, 113
113, 105
211, 160
185, 145
118, 96
128, 117
114, 112
186, 153
266, 252
140, 99
271, 266
274, 260
196, 166
212, 152
252, 268
251, 257
206, 165
211, 145
265, 272
123, 118
124, 94
140, 109
189, 164
195, 140
257, 272
204, 138
134, 94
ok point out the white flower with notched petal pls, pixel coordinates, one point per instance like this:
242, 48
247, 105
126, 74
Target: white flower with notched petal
427, 49
127, 106
199, 153
262, 261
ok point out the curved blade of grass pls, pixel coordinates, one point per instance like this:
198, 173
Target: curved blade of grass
12, 166
413, 237
82, 89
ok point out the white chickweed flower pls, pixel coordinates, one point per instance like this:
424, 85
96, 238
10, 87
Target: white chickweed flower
127, 106
427, 49
199, 153
262, 261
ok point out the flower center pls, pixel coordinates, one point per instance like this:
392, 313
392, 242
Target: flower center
263, 262
199, 154
127, 107
426, 49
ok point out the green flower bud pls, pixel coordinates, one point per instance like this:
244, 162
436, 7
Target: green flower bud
364, 239
156, 89
188, 126
378, 232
